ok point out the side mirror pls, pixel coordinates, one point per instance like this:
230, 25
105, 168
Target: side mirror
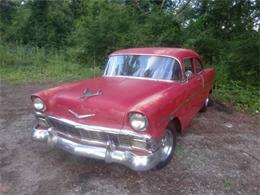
188, 74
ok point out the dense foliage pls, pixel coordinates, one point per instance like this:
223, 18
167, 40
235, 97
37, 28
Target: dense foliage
225, 32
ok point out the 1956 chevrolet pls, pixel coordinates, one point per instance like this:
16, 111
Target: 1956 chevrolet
130, 115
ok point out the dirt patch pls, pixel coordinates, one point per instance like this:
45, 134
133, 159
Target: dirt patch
219, 154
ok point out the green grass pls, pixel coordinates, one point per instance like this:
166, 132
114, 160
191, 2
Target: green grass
227, 184
243, 96
20, 63
47, 72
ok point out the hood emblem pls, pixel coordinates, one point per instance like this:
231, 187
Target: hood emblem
87, 93
80, 116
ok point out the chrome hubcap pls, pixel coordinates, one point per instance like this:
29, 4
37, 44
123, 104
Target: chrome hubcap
167, 144
207, 102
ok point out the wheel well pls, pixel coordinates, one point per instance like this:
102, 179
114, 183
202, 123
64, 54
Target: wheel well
177, 124
211, 90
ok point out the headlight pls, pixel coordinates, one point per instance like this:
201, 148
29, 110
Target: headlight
138, 121
38, 104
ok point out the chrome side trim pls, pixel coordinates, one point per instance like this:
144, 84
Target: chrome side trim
171, 115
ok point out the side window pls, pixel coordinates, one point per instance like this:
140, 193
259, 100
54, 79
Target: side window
187, 63
198, 64
176, 74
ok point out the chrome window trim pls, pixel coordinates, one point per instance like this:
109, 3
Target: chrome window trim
142, 78
145, 78
202, 65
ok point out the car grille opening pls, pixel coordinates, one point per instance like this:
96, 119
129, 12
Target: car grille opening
85, 135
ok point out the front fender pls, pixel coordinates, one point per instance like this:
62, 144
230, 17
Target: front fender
159, 109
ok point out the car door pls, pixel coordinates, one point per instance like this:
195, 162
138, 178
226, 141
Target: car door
199, 68
192, 88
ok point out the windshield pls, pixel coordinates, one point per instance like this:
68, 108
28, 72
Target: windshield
147, 66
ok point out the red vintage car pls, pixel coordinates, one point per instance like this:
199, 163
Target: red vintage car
130, 115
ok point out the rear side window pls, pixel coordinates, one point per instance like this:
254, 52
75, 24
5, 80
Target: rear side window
198, 65
187, 63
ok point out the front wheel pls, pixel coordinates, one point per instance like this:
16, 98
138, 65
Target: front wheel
168, 144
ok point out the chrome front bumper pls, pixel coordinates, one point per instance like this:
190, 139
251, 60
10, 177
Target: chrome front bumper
133, 159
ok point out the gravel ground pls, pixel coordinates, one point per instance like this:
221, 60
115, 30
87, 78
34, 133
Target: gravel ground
219, 154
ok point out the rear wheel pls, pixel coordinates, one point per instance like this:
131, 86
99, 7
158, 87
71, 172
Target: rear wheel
168, 144
211, 101
205, 105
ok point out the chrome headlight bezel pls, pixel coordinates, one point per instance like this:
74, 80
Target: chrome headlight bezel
38, 104
138, 121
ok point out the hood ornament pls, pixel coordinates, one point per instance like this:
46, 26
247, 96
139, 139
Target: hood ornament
87, 93
80, 116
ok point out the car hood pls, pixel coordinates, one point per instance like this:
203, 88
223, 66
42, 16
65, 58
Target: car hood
113, 98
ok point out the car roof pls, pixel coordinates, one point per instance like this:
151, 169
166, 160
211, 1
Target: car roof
179, 53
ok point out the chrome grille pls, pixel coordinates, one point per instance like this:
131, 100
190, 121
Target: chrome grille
67, 129
92, 135
124, 140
